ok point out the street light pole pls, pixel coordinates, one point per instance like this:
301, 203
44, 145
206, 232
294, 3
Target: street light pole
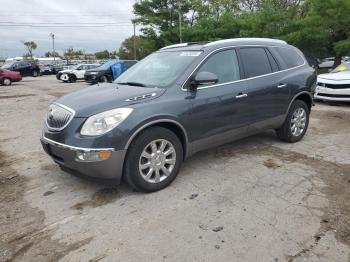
180, 22
53, 46
134, 40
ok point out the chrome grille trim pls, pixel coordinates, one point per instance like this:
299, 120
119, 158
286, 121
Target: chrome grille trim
64, 118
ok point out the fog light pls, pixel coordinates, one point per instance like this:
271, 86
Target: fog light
92, 156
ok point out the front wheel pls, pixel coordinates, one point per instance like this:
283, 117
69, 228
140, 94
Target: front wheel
296, 123
35, 73
104, 79
153, 160
6, 82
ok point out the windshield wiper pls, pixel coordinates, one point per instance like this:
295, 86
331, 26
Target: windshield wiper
131, 84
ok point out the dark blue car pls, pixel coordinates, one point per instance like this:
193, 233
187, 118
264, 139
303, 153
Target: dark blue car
108, 71
177, 101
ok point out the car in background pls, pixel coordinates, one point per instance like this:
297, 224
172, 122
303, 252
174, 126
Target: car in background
75, 73
109, 71
25, 68
334, 86
7, 77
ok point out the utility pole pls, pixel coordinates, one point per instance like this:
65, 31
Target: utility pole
134, 40
180, 18
53, 46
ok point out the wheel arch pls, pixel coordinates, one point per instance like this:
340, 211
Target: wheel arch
170, 124
303, 96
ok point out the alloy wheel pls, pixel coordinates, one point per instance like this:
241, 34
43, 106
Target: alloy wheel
157, 161
298, 121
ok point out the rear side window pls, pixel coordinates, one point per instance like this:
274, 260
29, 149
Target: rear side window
255, 61
224, 65
290, 57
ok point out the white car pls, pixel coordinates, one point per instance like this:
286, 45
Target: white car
76, 73
334, 86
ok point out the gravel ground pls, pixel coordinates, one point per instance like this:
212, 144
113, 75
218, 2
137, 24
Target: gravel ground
257, 199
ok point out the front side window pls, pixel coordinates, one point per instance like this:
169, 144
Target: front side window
224, 65
255, 61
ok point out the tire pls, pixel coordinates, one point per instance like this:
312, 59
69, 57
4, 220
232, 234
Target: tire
137, 166
6, 81
72, 78
35, 73
104, 79
299, 113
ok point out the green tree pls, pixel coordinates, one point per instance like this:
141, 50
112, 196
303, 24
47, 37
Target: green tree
325, 30
103, 54
70, 53
144, 46
29, 46
51, 54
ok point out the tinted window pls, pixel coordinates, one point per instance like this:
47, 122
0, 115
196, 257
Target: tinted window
290, 57
224, 65
273, 62
255, 61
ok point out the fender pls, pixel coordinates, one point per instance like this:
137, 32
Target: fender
161, 120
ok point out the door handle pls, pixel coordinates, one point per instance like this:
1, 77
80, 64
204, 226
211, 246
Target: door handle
241, 96
281, 85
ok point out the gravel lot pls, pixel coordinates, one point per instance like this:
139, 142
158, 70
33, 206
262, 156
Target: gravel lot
254, 200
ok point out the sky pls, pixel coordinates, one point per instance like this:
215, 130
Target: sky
70, 21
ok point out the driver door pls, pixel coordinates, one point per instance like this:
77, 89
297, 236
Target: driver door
218, 111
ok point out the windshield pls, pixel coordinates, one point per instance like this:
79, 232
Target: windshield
341, 68
159, 69
6, 66
107, 65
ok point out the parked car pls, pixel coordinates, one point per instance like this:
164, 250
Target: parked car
76, 73
180, 100
25, 68
108, 71
51, 69
7, 77
334, 86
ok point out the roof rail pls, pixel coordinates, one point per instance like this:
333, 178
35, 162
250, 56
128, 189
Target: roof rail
182, 45
247, 39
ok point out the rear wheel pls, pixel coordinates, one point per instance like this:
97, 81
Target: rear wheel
72, 78
6, 81
153, 160
296, 123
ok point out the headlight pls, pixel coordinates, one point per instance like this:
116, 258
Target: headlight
103, 122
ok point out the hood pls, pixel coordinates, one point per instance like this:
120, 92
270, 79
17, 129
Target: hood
66, 71
97, 69
345, 75
98, 98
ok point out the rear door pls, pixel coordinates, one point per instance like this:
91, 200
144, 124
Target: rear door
218, 111
267, 93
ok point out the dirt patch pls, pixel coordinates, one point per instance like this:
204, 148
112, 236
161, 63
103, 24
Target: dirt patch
17, 96
331, 122
270, 163
56, 94
23, 234
335, 176
99, 198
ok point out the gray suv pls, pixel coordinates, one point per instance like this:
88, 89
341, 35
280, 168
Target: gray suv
177, 101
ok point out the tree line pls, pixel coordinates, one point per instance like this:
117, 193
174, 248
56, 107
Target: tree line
318, 27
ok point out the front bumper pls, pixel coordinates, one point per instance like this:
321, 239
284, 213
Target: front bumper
329, 94
91, 78
66, 156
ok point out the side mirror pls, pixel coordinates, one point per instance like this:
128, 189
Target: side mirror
204, 78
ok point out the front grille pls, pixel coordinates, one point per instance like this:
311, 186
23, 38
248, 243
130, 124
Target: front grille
332, 95
337, 86
58, 117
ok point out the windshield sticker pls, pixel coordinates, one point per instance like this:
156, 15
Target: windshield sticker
342, 68
190, 53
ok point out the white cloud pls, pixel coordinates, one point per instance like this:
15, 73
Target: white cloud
69, 12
